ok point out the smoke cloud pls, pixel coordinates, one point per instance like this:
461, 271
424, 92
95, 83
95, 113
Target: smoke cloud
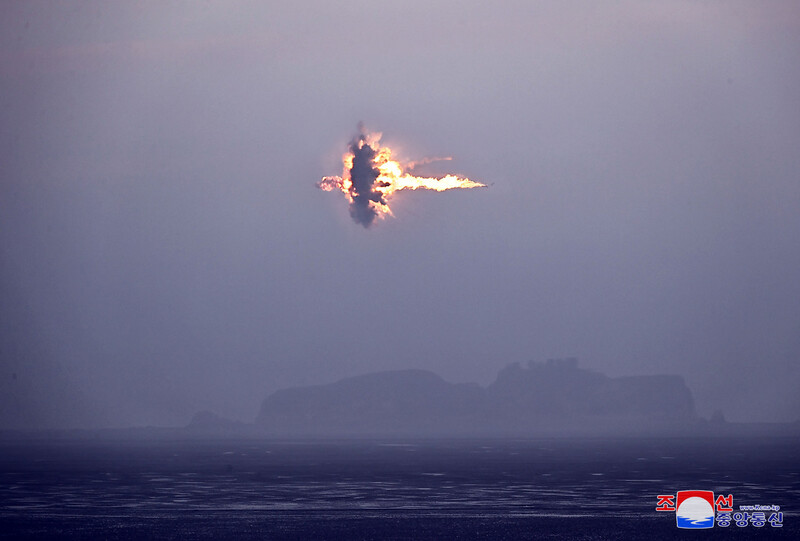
364, 179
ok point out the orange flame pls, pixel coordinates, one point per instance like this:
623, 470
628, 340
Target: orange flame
386, 176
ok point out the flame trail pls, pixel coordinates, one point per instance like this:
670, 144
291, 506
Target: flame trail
371, 176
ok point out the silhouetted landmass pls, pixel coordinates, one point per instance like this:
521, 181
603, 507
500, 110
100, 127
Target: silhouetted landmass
543, 398
405, 400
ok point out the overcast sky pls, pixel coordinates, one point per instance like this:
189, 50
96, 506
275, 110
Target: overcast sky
164, 249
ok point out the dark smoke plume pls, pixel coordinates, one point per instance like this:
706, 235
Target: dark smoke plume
363, 175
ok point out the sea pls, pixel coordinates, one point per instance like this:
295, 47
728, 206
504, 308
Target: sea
443, 489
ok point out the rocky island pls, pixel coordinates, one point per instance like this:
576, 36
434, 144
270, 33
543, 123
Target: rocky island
555, 397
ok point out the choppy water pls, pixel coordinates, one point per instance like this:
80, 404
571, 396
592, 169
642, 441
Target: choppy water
492, 489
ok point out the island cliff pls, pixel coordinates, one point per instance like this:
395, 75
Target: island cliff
555, 397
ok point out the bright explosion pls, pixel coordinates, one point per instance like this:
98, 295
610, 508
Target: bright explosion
370, 178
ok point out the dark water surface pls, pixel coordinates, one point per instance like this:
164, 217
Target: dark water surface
391, 489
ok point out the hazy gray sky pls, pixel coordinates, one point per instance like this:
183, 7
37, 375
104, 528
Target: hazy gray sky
163, 248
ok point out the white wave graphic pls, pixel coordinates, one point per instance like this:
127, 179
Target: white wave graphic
695, 510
